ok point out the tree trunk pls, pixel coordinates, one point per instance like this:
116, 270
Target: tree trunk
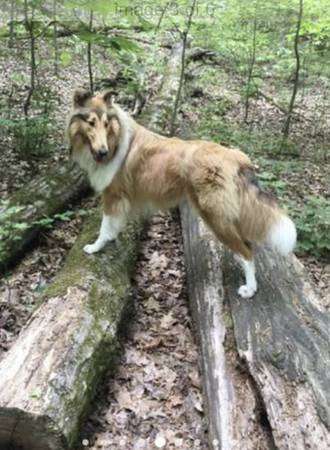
49, 376
286, 126
251, 65
42, 197
11, 24
281, 346
183, 67
233, 408
55, 43
162, 14
89, 54
29, 25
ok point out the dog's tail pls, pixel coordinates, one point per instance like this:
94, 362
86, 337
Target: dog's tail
282, 235
261, 219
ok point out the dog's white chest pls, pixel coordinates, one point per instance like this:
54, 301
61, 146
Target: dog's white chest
101, 177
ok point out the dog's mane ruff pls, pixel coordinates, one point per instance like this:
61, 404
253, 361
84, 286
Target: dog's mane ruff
102, 176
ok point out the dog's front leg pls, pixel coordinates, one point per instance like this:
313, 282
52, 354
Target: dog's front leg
111, 226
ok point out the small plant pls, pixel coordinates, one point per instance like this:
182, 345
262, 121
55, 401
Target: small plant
48, 222
313, 224
30, 135
8, 226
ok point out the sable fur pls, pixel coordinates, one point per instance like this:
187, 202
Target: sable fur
159, 172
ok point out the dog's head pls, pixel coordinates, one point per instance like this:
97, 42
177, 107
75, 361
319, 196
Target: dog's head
92, 131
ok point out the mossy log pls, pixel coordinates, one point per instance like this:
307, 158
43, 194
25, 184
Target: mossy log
43, 197
282, 341
48, 377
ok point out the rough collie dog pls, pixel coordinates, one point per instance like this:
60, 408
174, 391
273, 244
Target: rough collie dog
135, 168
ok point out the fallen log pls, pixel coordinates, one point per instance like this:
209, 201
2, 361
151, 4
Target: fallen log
43, 197
282, 340
161, 108
49, 376
67, 29
232, 407
283, 335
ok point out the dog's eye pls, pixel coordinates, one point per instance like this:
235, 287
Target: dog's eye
106, 124
91, 123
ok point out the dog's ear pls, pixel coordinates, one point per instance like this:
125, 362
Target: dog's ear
80, 97
108, 98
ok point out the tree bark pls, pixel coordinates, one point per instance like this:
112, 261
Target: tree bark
49, 376
281, 341
283, 335
42, 197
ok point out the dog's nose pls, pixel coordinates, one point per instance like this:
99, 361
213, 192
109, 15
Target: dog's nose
103, 152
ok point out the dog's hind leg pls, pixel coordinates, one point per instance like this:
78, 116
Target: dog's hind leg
244, 255
248, 289
226, 231
111, 226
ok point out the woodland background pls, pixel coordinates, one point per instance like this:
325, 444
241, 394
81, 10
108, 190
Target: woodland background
254, 75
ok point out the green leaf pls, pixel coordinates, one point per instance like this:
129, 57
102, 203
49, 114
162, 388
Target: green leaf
65, 58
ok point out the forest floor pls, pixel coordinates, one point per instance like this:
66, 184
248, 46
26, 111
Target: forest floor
154, 398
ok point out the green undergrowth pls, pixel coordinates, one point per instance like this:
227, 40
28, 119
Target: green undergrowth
9, 226
216, 127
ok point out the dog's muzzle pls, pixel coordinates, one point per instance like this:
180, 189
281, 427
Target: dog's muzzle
101, 155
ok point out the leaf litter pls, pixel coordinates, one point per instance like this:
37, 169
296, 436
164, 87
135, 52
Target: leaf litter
154, 399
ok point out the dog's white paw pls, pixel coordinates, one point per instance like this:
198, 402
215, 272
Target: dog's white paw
246, 291
91, 248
